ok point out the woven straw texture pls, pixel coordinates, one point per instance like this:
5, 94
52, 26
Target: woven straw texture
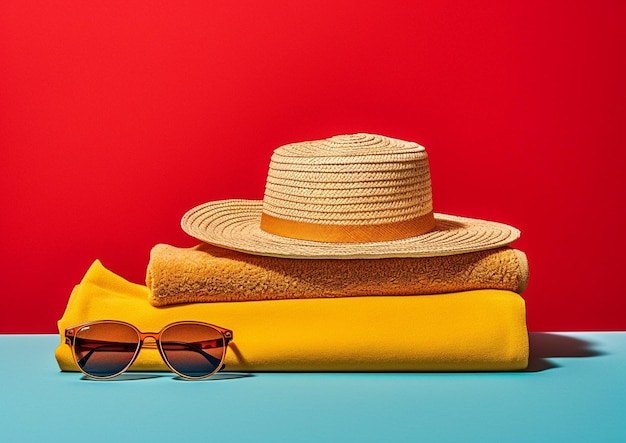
234, 224
348, 180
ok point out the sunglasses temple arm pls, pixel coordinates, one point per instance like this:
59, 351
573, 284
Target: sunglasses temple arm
194, 348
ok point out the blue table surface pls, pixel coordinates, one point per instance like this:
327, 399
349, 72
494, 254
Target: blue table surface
574, 391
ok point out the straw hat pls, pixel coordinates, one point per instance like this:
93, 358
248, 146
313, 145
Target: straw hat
348, 196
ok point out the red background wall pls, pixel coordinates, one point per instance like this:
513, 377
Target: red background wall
118, 116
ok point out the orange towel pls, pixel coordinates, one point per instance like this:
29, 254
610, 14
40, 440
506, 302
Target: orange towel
483, 330
208, 273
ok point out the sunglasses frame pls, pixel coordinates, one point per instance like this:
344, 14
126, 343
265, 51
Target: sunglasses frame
71, 332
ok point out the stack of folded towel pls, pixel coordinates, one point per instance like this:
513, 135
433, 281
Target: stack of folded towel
208, 273
411, 291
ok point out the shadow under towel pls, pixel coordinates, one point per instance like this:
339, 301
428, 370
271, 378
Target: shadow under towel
207, 273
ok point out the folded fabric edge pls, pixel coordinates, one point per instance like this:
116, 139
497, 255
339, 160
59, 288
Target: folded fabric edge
522, 260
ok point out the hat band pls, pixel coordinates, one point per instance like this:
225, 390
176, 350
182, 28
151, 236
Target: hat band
347, 233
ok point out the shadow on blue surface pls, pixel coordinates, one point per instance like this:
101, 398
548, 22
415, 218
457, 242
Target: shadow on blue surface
221, 376
130, 376
547, 345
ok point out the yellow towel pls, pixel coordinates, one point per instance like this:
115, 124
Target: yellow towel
208, 273
466, 331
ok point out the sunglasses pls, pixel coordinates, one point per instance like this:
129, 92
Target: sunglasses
106, 348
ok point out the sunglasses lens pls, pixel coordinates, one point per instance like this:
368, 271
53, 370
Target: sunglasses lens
105, 349
193, 350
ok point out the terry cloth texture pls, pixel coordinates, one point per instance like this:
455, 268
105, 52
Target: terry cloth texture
482, 330
208, 273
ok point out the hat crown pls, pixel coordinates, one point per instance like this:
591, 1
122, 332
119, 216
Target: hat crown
353, 180
346, 148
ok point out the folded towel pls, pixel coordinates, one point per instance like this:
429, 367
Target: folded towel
208, 273
465, 331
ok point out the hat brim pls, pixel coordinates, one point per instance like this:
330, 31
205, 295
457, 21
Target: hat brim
234, 224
